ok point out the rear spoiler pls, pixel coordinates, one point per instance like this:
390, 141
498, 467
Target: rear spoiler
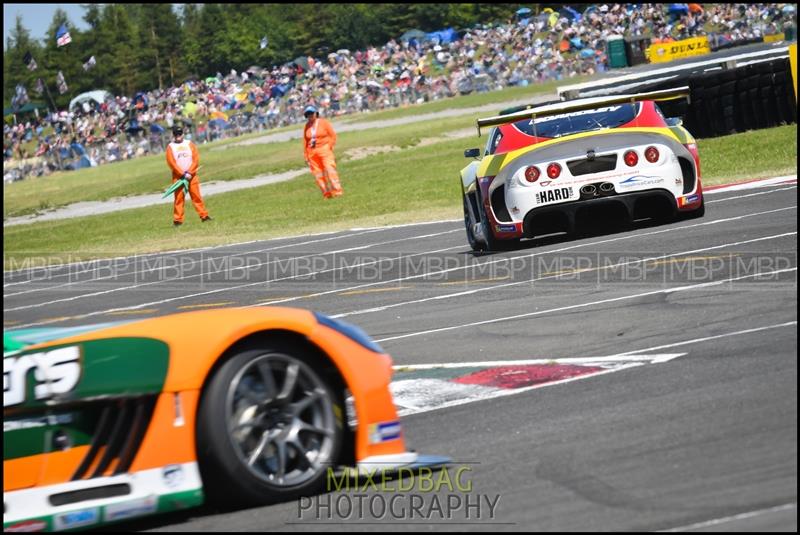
584, 104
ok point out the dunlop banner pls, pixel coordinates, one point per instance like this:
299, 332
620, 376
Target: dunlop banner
775, 37
663, 52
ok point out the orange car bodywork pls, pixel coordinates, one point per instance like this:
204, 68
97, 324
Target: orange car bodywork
196, 341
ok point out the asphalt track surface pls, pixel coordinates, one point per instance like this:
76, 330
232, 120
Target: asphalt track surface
705, 441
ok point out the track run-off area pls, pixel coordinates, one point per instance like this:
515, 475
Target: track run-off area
643, 378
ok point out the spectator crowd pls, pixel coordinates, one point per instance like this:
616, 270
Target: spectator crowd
525, 50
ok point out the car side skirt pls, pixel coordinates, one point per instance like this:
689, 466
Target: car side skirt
137, 494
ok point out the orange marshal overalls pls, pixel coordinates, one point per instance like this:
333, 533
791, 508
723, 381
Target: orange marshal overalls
182, 158
319, 140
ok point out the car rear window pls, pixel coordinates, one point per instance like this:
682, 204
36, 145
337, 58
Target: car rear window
579, 121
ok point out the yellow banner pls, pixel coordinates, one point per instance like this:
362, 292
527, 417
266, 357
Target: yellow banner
774, 38
793, 62
663, 52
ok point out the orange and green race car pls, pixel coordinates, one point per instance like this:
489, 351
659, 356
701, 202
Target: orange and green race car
241, 406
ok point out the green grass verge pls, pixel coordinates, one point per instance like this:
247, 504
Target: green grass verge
417, 184
754, 154
413, 185
151, 175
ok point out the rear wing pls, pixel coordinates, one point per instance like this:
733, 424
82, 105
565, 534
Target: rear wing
583, 104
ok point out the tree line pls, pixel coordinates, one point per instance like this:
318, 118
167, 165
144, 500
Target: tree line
139, 47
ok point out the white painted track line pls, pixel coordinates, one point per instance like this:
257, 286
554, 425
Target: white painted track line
707, 338
588, 304
725, 519
555, 276
209, 272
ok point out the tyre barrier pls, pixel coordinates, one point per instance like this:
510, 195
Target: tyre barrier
759, 95
727, 101
733, 44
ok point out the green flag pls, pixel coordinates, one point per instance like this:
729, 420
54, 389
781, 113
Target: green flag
174, 187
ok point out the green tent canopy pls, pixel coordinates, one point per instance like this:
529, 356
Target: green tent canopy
27, 108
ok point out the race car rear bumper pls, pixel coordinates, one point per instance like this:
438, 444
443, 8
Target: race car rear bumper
627, 207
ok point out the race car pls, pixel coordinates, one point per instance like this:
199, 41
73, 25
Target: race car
546, 169
242, 406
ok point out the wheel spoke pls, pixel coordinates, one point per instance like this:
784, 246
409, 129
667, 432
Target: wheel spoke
281, 455
316, 430
298, 447
292, 371
268, 379
265, 438
310, 398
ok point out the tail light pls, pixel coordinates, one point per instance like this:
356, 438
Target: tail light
631, 158
553, 170
651, 154
532, 174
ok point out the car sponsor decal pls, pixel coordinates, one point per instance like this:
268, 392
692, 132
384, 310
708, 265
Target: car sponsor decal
384, 431
640, 180
27, 526
110, 366
131, 509
173, 475
505, 228
54, 372
688, 199
36, 422
545, 183
77, 519
551, 195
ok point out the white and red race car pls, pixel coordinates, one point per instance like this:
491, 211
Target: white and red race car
544, 169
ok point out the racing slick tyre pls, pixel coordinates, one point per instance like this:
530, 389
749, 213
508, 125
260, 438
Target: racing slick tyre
696, 213
492, 243
473, 242
269, 425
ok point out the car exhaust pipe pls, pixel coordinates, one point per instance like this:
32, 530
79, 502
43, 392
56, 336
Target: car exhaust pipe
589, 190
606, 188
